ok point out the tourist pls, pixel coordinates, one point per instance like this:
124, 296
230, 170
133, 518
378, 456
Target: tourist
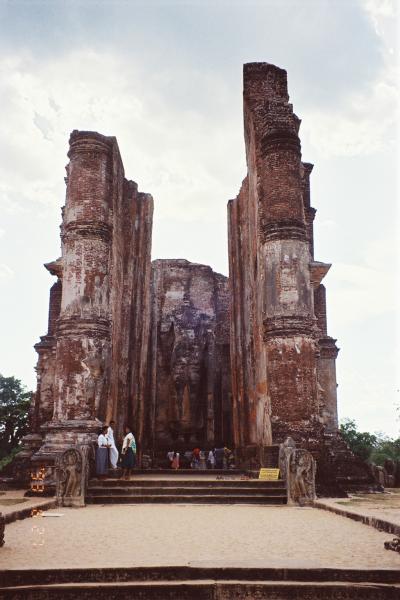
173, 460
211, 460
195, 464
202, 461
113, 449
128, 453
219, 454
229, 459
102, 453
186, 460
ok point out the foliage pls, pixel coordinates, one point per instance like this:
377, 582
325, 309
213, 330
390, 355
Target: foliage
387, 448
371, 447
14, 407
8, 459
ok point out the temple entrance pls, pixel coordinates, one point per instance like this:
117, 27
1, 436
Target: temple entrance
190, 365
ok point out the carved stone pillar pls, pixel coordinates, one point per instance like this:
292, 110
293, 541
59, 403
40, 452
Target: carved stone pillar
298, 470
72, 475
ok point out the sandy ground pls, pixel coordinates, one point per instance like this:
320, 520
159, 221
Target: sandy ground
134, 535
384, 506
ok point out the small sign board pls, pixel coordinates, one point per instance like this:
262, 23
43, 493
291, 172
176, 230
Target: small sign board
268, 474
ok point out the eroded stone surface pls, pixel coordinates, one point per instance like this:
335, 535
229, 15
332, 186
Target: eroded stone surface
190, 369
93, 361
283, 361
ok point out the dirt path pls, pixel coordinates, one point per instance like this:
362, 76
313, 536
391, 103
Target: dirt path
181, 534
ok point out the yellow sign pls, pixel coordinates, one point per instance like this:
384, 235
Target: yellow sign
269, 474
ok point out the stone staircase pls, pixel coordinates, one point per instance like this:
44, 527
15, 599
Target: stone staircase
201, 583
184, 487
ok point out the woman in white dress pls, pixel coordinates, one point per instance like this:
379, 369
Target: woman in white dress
102, 453
113, 449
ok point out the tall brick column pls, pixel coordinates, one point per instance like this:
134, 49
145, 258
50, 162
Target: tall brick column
84, 329
289, 322
326, 371
273, 328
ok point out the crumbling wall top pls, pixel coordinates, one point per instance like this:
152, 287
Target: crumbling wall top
263, 81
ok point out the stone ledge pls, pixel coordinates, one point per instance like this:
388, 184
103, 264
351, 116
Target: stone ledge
196, 572
380, 524
210, 590
24, 513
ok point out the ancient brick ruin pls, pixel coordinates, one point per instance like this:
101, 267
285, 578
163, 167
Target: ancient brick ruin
283, 362
93, 361
186, 355
189, 396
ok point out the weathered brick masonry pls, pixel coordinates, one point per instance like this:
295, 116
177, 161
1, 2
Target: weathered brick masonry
186, 356
93, 361
283, 361
190, 384
143, 344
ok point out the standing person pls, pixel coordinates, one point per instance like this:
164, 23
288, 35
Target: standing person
219, 454
173, 459
195, 464
128, 453
228, 458
102, 453
113, 449
211, 460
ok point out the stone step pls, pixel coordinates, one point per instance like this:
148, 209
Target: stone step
208, 590
196, 571
183, 491
193, 472
187, 483
187, 499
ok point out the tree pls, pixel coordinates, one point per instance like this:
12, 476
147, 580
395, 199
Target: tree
14, 406
370, 447
386, 449
361, 443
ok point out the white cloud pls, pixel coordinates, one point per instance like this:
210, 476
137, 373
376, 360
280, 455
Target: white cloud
378, 10
5, 272
367, 122
358, 292
366, 126
171, 152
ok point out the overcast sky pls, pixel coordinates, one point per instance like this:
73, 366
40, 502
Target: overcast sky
166, 79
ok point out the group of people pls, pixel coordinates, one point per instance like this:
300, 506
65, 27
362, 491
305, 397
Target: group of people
107, 454
218, 458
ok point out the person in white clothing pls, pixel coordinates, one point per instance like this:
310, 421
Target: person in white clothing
211, 460
102, 453
114, 454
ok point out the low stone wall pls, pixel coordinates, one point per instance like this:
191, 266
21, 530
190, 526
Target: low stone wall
381, 524
187, 583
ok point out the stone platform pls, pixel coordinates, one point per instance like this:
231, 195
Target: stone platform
186, 487
203, 583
